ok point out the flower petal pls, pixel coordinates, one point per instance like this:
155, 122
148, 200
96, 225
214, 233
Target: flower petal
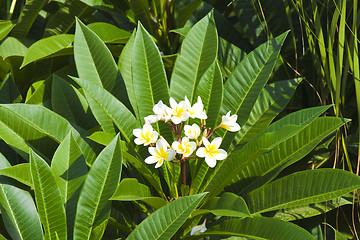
137, 132
171, 154
217, 142
138, 141
173, 103
175, 145
206, 142
151, 160
159, 163
210, 161
201, 152
221, 154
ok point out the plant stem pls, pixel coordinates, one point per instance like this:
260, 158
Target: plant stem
183, 172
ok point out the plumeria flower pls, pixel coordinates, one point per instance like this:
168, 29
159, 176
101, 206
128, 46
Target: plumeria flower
193, 131
229, 123
146, 135
185, 147
179, 111
198, 229
211, 151
162, 112
160, 153
197, 110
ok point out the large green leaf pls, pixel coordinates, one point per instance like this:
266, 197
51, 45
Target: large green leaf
267, 166
5, 28
246, 82
271, 101
231, 170
69, 168
68, 102
228, 204
111, 108
24, 125
302, 188
20, 172
210, 89
130, 189
93, 59
57, 45
257, 228
11, 46
18, 209
109, 33
100, 184
164, 222
198, 52
48, 198
27, 17
148, 74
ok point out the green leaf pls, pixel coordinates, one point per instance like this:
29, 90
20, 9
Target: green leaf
39, 92
93, 59
257, 228
164, 222
27, 17
142, 14
69, 168
149, 175
279, 157
24, 126
100, 184
130, 189
57, 45
48, 198
9, 93
68, 102
198, 52
186, 12
13, 47
271, 101
103, 138
210, 89
309, 210
18, 209
229, 56
149, 78
111, 108
302, 188
19, 172
246, 82
228, 204
109, 33
5, 28
237, 163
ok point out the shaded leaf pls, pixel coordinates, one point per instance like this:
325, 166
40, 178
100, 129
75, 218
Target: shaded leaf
20, 172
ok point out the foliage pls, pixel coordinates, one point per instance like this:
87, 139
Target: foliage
70, 117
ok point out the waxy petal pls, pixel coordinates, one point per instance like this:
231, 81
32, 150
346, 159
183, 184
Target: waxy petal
210, 160
201, 152
221, 154
217, 142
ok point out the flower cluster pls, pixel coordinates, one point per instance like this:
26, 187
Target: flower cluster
183, 148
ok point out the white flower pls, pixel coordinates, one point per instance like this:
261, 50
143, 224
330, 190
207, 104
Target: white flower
162, 111
179, 111
185, 147
193, 131
146, 135
160, 153
229, 122
197, 110
151, 119
211, 151
198, 229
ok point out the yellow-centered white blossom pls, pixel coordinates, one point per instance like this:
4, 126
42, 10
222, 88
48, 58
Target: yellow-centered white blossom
178, 111
185, 147
211, 151
146, 135
198, 229
192, 131
197, 110
229, 123
160, 153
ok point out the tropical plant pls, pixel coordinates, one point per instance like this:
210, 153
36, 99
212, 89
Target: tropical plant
53, 144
